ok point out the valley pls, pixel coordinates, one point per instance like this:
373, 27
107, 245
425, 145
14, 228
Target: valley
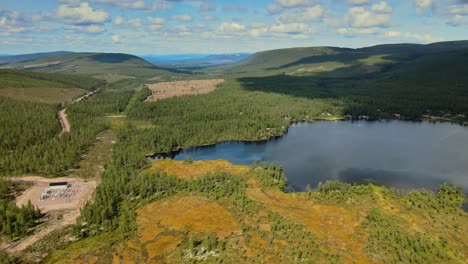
205, 209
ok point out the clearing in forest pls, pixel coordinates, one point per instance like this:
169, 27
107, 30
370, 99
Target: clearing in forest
335, 226
191, 170
194, 214
165, 90
68, 200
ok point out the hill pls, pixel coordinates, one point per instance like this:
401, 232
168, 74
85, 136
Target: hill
309, 61
44, 87
25, 57
101, 65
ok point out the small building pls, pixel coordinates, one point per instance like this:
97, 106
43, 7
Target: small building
58, 186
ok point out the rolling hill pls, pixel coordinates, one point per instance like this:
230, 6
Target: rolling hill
312, 60
25, 57
102, 65
44, 87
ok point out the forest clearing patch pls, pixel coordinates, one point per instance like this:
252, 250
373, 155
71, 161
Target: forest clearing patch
194, 214
191, 170
165, 90
333, 225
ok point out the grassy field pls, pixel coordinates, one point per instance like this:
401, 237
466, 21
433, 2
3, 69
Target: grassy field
189, 170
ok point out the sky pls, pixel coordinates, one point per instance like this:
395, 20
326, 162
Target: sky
218, 26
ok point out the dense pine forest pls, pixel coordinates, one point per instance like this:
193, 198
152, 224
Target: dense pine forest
15, 221
36, 146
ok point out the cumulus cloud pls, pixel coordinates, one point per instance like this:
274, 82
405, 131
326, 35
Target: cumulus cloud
280, 5
258, 32
130, 4
458, 14
136, 23
408, 35
92, 29
183, 17
360, 17
358, 2
16, 22
382, 7
116, 39
156, 20
81, 15
119, 21
353, 32
209, 18
291, 28
423, 5
303, 15
230, 28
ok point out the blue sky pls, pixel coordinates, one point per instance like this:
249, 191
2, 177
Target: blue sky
217, 26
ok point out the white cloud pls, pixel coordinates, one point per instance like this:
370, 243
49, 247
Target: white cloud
136, 23
414, 36
361, 17
353, 32
156, 20
183, 17
273, 9
155, 23
458, 14
382, 7
13, 22
92, 29
258, 32
81, 15
423, 5
209, 18
294, 3
231, 28
280, 5
303, 15
118, 21
130, 4
458, 9
291, 28
358, 2
155, 27
116, 39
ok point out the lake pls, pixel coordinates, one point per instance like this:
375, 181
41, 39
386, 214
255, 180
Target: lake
398, 154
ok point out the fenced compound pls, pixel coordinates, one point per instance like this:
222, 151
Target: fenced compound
60, 192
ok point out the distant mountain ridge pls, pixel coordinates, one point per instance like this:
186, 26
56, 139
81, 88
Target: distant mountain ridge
279, 59
195, 60
4, 59
91, 64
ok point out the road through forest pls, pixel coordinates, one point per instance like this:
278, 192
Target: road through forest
63, 115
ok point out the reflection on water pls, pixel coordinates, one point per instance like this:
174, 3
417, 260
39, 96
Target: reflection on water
392, 153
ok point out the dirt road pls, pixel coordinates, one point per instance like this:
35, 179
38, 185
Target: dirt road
63, 115
64, 121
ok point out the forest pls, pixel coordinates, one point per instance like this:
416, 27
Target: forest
35, 146
15, 221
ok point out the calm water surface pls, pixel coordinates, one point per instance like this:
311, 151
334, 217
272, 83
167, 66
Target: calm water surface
392, 153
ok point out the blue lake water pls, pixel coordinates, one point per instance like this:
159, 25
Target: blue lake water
394, 153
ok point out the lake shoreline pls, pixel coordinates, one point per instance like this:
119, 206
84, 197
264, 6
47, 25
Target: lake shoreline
172, 153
